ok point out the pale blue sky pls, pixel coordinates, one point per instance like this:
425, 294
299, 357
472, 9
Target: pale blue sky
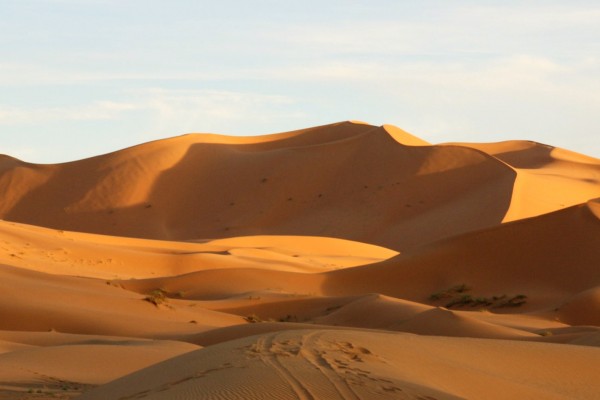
85, 77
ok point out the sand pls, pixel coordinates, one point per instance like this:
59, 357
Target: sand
345, 261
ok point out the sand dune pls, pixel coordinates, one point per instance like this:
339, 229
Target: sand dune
109, 257
58, 364
340, 364
345, 180
42, 302
548, 178
341, 261
546, 258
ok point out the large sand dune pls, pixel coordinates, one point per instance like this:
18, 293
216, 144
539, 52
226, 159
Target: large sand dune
345, 364
342, 261
346, 180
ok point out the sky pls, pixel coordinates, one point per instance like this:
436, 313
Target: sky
80, 78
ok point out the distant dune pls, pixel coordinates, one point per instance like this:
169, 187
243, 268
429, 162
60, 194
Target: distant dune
345, 261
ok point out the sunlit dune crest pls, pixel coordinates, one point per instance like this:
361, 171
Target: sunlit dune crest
344, 261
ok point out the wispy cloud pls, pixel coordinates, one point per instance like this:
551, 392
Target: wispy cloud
186, 110
99, 110
432, 66
168, 110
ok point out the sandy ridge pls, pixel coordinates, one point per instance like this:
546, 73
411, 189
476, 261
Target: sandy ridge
341, 261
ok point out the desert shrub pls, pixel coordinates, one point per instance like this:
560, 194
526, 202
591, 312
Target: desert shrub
450, 292
253, 318
458, 297
157, 297
515, 301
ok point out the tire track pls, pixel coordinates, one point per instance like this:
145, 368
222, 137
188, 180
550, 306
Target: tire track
264, 347
310, 351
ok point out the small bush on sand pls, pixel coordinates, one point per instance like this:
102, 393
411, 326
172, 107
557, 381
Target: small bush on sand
458, 297
253, 318
450, 292
157, 297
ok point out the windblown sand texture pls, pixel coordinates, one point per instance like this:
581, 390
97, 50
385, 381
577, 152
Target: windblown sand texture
345, 261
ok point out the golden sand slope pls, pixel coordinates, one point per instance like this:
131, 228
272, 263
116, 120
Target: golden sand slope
544, 257
32, 361
207, 266
548, 178
345, 364
374, 184
109, 257
344, 180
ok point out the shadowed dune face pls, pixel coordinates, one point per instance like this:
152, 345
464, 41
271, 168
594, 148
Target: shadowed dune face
345, 261
531, 155
548, 178
349, 181
344, 364
518, 154
42, 302
534, 257
307, 191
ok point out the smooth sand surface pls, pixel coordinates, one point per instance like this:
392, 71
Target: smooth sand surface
57, 363
346, 364
346, 180
548, 178
342, 261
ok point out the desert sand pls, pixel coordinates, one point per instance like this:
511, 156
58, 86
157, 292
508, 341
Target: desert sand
345, 261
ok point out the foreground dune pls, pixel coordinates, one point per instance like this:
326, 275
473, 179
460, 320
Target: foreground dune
55, 362
342, 261
345, 364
